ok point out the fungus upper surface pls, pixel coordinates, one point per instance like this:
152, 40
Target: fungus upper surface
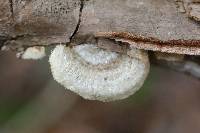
97, 74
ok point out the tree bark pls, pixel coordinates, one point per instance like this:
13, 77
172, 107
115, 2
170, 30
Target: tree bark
28, 23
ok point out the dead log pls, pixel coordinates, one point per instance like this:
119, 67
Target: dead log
28, 23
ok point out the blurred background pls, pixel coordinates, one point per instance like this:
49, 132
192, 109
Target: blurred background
32, 102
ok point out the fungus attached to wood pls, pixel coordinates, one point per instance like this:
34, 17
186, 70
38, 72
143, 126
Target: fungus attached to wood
97, 74
34, 53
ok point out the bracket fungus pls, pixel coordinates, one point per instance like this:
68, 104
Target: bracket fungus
97, 74
34, 53
161, 26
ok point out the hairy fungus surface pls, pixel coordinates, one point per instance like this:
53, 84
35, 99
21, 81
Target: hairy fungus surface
34, 53
96, 74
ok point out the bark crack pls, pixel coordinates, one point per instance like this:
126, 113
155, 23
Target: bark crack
11, 8
79, 21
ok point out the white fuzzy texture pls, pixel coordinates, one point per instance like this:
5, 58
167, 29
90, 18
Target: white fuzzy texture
94, 55
34, 53
97, 74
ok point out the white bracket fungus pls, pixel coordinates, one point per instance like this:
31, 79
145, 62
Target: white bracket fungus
34, 53
97, 74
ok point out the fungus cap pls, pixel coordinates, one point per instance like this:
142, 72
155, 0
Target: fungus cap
34, 53
97, 74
